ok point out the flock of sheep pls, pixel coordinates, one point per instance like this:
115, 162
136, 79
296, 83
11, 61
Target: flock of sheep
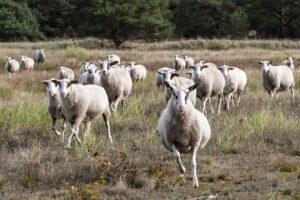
182, 127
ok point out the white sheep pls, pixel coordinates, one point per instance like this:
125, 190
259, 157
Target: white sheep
277, 78
235, 83
173, 78
113, 59
160, 76
86, 65
189, 61
65, 72
137, 72
182, 128
11, 66
26, 62
55, 106
209, 64
39, 56
211, 83
289, 62
83, 103
91, 76
116, 82
179, 63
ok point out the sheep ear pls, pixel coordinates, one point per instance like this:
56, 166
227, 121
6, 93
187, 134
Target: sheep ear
191, 88
193, 67
73, 82
45, 82
231, 68
204, 66
114, 63
55, 81
189, 73
270, 62
260, 62
173, 75
160, 72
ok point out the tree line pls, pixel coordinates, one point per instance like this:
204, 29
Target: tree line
150, 20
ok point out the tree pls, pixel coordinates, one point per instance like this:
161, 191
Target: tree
239, 23
17, 22
121, 20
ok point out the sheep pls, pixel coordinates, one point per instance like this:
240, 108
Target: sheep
65, 72
289, 62
91, 76
160, 76
83, 103
26, 62
55, 106
179, 63
211, 83
174, 79
182, 128
11, 65
116, 82
137, 72
276, 79
235, 83
189, 61
113, 59
39, 56
209, 64
86, 65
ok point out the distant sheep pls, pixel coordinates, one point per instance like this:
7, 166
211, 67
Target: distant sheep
235, 83
137, 72
189, 61
277, 78
11, 66
85, 66
65, 72
83, 103
26, 62
211, 83
55, 106
182, 128
116, 82
113, 59
160, 76
289, 62
39, 56
91, 76
179, 63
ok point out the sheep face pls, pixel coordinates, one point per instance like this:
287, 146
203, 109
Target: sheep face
168, 75
92, 72
225, 70
85, 66
8, 59
198, 69
64, 86
289, 60
265, 65
52, 88
23, 58
104, 65
180, 96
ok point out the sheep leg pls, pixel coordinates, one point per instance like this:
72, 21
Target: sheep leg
228, 101
219, 103
63, 129
87, 128
106, 121
194, 165
74, 132
293, 94
54, 128
177, 156
238, 99
204, 105
232, 100
211, 108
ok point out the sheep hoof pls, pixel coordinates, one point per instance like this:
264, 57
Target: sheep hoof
182, 170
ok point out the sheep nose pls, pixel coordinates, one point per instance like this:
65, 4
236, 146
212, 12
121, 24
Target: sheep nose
181, 109
63, 94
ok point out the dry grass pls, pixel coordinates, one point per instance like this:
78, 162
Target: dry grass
253, 153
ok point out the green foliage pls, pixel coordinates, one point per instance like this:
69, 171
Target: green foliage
17, 22
239, 24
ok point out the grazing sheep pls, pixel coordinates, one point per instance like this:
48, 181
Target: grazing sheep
173, 78
211, 83
86, 65
289, 62
113, 59
277, 78
116, 82
26, 62
160, 76
55, 106
83, 103
65, 72
39, 56
182, 128
179, 63
137, 72
91, 76
235, 83
11, 65
189, 61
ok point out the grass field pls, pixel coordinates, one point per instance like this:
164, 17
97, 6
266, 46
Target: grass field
253, 152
